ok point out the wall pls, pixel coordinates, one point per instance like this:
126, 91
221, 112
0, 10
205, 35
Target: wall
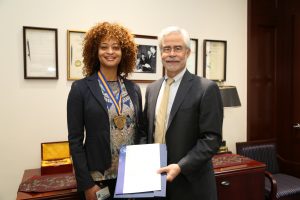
34, 111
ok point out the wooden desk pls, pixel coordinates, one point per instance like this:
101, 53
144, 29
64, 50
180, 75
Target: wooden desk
237, 177
70, 194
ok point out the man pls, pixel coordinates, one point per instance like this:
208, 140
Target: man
193, 121
153, 58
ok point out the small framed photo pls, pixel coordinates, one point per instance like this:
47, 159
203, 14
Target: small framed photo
148, 65
40, 53
192, 62
214, 59
74, 58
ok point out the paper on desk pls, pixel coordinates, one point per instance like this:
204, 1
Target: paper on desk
142, 163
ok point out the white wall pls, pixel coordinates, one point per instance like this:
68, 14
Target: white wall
34, 111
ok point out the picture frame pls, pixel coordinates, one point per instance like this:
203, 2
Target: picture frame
149, 67
192, 61
74, 54
214, 59
40, 53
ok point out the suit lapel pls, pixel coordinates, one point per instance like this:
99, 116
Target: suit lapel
152, 102
181, 94
93, 84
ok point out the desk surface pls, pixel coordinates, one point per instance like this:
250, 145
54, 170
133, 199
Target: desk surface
226, 163
61, 194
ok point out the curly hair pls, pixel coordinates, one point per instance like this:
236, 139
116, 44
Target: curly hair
108, 30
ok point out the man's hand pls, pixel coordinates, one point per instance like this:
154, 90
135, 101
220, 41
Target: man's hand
90, 194
172, 171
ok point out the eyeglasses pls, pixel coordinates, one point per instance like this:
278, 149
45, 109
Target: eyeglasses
176, 49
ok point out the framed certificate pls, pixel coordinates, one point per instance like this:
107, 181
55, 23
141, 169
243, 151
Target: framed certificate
40, 53
74, 58
192, 61
214, 59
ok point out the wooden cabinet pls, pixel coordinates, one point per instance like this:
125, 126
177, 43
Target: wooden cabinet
239, 177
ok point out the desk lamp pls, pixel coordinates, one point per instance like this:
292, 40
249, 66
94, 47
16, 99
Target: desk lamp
230, 98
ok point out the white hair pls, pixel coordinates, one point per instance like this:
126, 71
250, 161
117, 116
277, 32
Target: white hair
174, 29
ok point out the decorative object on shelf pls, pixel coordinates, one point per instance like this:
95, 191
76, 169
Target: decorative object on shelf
40, 53
75, 59
55, 158
230, 98
214, 59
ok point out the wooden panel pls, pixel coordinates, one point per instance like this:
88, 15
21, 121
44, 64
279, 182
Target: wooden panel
293, 154
246, 185
262, 66
262, 86
260, 7
289, 92
296, 88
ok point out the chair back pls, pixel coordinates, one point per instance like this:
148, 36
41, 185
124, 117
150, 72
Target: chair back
265, 153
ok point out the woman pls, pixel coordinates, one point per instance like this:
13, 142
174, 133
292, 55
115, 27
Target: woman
104, 109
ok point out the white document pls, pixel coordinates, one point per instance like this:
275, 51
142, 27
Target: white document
141, 165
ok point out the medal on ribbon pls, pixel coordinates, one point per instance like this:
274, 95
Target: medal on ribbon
120, 119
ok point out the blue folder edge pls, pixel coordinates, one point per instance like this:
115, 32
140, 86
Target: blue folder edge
120, 179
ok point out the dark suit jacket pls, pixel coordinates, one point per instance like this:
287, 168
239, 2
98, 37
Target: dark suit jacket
193, 135
87, 111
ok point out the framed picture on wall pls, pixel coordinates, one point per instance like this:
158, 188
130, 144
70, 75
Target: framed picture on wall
148, 66
40, 53
74, 52
214, 59
192, 62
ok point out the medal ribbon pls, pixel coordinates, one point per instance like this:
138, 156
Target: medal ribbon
116, 100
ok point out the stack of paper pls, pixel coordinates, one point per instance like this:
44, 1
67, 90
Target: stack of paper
137, 172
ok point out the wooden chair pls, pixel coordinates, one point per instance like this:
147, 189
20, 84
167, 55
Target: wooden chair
278, 186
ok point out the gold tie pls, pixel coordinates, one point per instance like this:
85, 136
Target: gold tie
161, 117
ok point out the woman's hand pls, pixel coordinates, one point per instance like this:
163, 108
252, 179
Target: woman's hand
90, 194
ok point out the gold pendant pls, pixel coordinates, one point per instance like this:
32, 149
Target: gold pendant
120, 121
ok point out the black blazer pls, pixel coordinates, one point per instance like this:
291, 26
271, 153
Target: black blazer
87, 112
193, 135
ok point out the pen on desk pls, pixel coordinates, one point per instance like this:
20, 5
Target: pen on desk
28, 50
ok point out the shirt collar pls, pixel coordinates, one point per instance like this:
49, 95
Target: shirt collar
178, 77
